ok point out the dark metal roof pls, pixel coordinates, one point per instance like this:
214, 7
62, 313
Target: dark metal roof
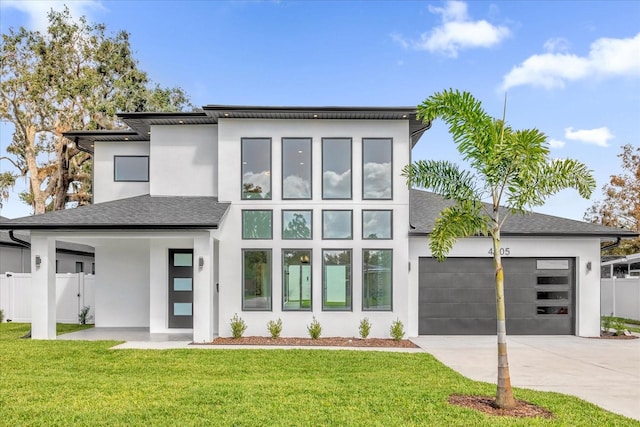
426, 206
135, 213
140, 123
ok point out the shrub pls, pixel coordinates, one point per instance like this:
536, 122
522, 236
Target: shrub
238, 326
365, 328
83, 316
1, 316
606, 323
314, 329
275, 327
397, 330
618, 325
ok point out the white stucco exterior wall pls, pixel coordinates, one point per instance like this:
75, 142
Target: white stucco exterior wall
334, 323
584, 250
183, 160
104, 187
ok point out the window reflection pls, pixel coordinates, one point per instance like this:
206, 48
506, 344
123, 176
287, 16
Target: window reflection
376, 169
376, 224
296, 168
336, 168
337, 225
256, 168
296, 225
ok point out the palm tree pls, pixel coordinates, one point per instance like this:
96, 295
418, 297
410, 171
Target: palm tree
511, 168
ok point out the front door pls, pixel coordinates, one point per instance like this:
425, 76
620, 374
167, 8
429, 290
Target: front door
180, 288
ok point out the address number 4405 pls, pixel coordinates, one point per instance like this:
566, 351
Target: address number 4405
503, 251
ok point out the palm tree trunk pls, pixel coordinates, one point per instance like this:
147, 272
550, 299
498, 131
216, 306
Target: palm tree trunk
504, 393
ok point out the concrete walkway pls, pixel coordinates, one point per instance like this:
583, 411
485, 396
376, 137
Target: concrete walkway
603, 372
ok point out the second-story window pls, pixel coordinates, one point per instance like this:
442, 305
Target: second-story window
256, 168
257, 224
296, 168
131, 168
377, 168
336, 168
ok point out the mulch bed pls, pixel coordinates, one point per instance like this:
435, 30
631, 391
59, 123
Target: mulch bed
329, 341
488, 406
612, 336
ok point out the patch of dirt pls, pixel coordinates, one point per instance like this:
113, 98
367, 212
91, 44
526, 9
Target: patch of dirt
613, 336
328, 341
488, 406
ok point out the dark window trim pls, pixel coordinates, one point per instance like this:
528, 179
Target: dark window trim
351, 226
257, 238
295, 210
242, 167
377, 210
324, 288
310, 140
391, 304
130, 180
310, 309
363, 175
350, 168
245, 250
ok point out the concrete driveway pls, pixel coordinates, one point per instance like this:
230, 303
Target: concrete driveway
604, 372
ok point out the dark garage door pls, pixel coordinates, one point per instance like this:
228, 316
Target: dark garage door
457, 296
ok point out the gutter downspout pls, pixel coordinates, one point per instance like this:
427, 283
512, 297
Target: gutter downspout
19, 241
612, 245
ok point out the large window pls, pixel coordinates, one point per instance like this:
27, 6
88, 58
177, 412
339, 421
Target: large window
256, 277
376, 279
336, 168
376, 168
336, 279
297, 225
377, 224
296, 279
257, 224
256, 168
296, 168
337, 224
131, 168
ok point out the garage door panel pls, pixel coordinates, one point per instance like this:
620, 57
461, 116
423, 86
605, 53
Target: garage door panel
459, 280
457, 326
443, 295
448, 310
474, 265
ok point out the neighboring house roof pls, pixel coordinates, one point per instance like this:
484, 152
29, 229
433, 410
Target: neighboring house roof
140, 123
426, 206
135, 213
5, 240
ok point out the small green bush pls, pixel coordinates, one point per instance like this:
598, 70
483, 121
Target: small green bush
238, 326
83, 316
275, 327
618, 325
365, 328
397, 330
314, 329
606, 323
1, 316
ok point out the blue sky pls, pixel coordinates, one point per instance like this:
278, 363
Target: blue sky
571, 69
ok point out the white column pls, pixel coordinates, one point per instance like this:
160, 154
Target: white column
203, 288
43, 287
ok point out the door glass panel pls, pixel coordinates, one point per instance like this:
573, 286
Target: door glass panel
182, 284
553, 280
182, 260
552, 264
182, 309
554, 310
552, 295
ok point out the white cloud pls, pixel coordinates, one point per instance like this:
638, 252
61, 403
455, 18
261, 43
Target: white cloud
37, 11
456, 33
599, 136
377, 177
556, 45
607, 58
336, 186
556, 143
296, 187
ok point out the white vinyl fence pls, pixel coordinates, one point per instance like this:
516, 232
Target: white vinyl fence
73, 291
620, 297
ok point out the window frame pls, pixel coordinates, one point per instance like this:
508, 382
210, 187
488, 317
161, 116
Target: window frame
390, 224
282, 224
310, 264
242, 192
391, 164
242, 288
350, 168
270, 211
390, 250
115, 168
324, 287
350, 225
283, 177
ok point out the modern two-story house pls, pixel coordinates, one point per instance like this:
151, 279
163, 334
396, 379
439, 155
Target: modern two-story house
291, 213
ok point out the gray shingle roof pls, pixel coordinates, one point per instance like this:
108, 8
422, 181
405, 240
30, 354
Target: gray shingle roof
135, 213
426, 206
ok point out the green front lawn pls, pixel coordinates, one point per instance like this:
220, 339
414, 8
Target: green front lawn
84, 383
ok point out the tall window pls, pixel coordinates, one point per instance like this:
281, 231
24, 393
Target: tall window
131, 168
296, 168
376, 168
336, 279
337, 224
297, 225
257, 224
376, 279
256, 274
336, 168
256, 168
296, 279
377, 224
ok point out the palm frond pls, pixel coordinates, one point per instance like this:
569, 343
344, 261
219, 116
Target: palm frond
453, 223
442, 177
